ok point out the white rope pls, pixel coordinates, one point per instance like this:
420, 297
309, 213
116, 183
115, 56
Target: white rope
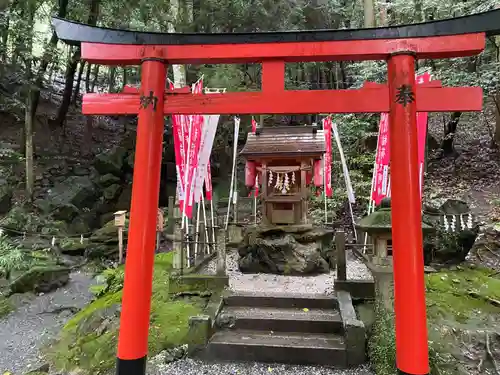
233, 173
197, 231
212, 221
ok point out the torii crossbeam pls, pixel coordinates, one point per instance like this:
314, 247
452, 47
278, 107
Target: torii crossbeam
400, 46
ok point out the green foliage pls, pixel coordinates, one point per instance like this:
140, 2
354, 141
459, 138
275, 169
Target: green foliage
382, 344
22, 219
5, 307
12, 257
382, 348
93, 351
110, 281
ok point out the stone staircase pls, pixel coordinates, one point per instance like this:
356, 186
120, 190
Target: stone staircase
294, 329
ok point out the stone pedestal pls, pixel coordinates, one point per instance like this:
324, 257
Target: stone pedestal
221, 251
384, 285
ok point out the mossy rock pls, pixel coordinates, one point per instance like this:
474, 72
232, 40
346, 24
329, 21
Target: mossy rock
108, 180
107, 234
40, 279
88, 341
5, 307
66, 212
112, 192
111, 161
6, 194
73, 246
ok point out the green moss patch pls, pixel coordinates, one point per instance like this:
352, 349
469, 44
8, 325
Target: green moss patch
5, 307
466, 299
463, 294
89, 339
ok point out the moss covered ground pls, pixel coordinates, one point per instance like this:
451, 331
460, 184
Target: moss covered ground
5, 307
465, 299
88, 341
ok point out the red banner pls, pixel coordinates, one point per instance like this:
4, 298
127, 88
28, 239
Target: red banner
381, 183
208, 183
382, 160
180, 157
327, 128
195, 123
187, 136
254, 125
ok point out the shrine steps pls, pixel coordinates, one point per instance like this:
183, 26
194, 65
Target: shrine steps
283, 328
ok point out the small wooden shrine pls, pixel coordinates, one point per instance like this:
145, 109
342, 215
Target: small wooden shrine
283, 161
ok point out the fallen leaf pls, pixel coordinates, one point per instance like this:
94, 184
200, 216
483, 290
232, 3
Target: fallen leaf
306, 309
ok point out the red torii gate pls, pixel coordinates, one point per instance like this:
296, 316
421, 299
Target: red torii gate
401, 97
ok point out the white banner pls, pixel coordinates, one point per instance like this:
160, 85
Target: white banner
347, 178
208, 131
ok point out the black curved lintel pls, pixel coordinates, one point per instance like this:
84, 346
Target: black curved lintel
75, 33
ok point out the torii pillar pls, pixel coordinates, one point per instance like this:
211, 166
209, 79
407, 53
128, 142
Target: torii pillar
136, 304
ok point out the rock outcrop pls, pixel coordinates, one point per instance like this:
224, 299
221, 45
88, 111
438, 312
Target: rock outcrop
286, 250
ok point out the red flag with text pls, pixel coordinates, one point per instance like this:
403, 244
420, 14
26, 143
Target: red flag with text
327, 128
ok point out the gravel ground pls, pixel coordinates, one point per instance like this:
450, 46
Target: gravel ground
194, 367
34, 322
319, 284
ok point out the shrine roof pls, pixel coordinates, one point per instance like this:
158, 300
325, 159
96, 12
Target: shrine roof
285, 140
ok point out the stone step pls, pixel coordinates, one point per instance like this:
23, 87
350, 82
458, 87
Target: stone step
291, 348
281, 300
281, 320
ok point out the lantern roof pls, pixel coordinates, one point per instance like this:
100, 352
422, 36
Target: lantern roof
380, 221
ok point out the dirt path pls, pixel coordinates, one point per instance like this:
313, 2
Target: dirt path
24, 331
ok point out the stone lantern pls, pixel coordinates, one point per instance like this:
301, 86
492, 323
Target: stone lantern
378, 226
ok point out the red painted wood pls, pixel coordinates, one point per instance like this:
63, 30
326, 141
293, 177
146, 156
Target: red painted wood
130, 90
412, 356
374, 85
136, 303
430, 99
273, 76
425, 48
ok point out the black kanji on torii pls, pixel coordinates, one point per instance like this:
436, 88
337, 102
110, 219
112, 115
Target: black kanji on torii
405, 95
147, 100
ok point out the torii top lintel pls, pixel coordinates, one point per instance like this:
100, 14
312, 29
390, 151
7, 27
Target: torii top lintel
456, 37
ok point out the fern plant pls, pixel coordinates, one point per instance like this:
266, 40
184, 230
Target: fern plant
12, 257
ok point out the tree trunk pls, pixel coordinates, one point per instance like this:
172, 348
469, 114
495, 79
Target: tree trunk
87, 77
96, 77
369, 13
125, 78
78, 82
44, 63
71, 68
28, 125
449, 134
112, 76
496, 137
68, 88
